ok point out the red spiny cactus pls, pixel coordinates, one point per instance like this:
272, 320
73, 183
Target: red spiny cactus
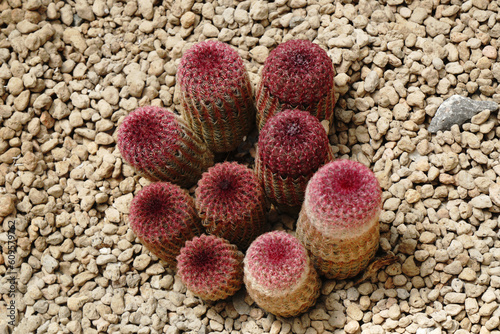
159, 145
216, 95
292, 146
279, 276
163, 217
297, 74
211, 267
230, 202
338, 222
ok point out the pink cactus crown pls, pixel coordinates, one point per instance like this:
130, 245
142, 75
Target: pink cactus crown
148, 132
298, 72
276, 260
344, 193
211, 69
228, 190
293, 143
206, 261
159, 210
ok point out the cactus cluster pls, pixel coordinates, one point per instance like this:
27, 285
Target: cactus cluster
160, 146
230, 202
339, 201
297, 74
210, 267
163, 217
338, 222
279, 276
292, 146
216, 94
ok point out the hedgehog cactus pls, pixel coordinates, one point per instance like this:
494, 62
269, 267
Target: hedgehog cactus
216, 95
338, 222
279, 275
230, 202
292, 146
297, 74
211, 267
163, 217
160, 145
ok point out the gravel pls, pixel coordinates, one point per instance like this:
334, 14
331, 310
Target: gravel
70, 72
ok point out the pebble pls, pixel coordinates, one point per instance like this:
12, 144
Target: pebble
7, 205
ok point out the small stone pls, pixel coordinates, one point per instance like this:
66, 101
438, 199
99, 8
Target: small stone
209, 30
351, 327
409, 267
188, 19
487, 309
82, 278
482, 201
136, 80
454, 298
354, 312
371, 81
453, 268
490, 52
338, 319
239, 303
427, 237
110, 95
241, 16
122, 203
468, 274
49, 263
259, 11
7, 205
427, 267
104, 139
76, 303
84, 11
259, 53
141, 262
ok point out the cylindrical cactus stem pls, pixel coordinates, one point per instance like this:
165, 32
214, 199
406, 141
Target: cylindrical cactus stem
231, 203
292, 146
216, 95
163, 216
160, 146
339, 220
211, 267
279, 275
297, 74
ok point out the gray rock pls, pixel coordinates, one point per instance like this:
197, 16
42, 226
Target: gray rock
458, 110
239, 303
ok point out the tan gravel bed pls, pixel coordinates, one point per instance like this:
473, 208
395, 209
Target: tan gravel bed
70, 71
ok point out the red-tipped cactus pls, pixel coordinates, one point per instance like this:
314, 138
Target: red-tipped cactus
160, 146
279, 275
339, 220
216, 94
292, 146
230, 202
163, 217
211, 267
297, 74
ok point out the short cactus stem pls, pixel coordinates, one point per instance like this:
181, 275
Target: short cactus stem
279, 275
292, 146
211, 267
297, 74
163, 217
231, 203
161, 147
339, 220
216, 95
